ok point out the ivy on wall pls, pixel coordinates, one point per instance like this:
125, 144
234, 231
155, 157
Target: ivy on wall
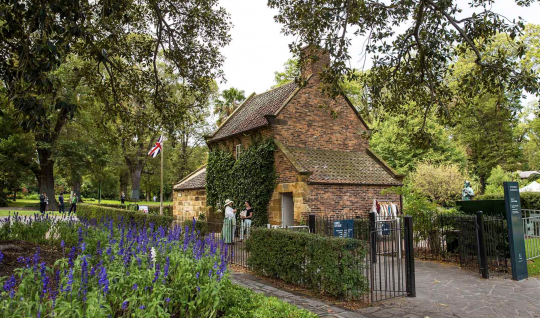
252, 177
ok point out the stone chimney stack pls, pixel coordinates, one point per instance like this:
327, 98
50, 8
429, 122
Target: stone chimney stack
316, 59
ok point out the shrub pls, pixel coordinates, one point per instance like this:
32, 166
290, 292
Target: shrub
496, 178
329, 264
95, 212
240, 302
200, 226
441, 184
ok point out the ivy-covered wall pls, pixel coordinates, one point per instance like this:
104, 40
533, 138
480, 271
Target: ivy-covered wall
252, 177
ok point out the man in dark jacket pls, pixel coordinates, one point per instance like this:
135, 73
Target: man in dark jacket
42, 202
61, 201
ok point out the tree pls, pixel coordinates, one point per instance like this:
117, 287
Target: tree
290, 73
229, 100
441, 184
410, 64
119, 42
496, 178
395, 139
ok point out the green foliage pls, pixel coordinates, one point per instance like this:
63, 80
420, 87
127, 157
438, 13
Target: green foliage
98, 213
290, 73
529, 200
441, 184
496, 178
327, 264
252, 177
229, 100
240, 302
200, 226
414, 62
396, 139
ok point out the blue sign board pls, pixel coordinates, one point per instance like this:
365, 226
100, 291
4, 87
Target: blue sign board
516, 236
344, 228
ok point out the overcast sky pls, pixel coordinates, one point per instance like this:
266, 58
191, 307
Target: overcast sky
258, 47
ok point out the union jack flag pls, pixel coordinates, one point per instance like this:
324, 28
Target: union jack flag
157, 148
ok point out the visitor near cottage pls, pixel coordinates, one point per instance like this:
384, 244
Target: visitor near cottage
247, 216
229, 224
122, 198
46, 202
42, 202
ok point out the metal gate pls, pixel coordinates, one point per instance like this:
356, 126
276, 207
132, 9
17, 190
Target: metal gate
391, 259
531, 231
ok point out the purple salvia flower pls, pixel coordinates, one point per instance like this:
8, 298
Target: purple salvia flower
103, 280
134, 287
166, 269
210, 274
84, 278
125, 305
80, 235
142, 307
71, 256
156, 276
70, 281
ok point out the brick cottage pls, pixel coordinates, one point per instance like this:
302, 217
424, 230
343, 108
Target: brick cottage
323, 161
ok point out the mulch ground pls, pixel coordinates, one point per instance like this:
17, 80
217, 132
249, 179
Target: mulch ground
47, 254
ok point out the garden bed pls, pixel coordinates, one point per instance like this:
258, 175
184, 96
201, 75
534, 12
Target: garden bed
48, 254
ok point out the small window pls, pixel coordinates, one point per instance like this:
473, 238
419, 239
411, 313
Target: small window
238, 150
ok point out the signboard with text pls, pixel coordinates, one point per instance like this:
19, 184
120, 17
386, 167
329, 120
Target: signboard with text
143, 208
344, 228
516, 237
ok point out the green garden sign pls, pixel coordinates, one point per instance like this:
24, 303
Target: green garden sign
512, 206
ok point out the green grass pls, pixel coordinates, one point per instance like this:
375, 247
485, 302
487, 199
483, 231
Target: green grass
532, 247
23, 213
533, 267
24, 202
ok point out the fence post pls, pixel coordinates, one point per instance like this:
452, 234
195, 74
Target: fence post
311, 223
409, 258
373, 236
481, 241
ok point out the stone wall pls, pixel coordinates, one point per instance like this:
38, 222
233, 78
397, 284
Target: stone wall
188, 204
300, 192
334, 200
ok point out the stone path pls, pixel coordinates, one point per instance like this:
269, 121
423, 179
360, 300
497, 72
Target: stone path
442, 291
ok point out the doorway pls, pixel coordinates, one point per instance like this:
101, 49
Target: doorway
287, 209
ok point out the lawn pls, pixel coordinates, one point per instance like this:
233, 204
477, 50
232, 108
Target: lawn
24, 202
24, 213
532, 248
533, 267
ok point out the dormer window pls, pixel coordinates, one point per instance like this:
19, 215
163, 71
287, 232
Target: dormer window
238, 150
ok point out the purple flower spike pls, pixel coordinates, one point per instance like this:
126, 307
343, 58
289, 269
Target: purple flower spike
125, 305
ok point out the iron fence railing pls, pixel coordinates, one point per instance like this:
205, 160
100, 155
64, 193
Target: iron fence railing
531, 231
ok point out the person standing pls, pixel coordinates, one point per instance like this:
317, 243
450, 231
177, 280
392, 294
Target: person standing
46, 202
229, 224
155, 198
246, 221
122, 198
42, 203
73, 206
61, 203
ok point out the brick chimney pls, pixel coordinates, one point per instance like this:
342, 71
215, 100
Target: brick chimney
315, 60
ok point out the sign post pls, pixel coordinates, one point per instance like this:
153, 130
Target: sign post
516, 236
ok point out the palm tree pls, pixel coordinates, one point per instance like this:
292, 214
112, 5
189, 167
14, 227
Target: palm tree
229, 100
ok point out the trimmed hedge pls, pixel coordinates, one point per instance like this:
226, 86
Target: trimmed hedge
331, 265
94, 212
529, 200
200, 226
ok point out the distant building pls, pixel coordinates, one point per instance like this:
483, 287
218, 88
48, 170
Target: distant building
323, 161
527, 174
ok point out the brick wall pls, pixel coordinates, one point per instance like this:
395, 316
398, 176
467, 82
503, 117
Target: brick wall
333, 200
245, 139
285, 171
188, 204
313, 120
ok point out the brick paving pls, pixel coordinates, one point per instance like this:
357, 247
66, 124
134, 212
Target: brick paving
442, 291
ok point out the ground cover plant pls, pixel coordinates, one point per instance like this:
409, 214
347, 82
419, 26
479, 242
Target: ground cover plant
123, 269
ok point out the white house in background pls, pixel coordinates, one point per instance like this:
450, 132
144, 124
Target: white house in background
532, 187
527, 174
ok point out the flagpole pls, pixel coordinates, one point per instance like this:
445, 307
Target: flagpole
161, 193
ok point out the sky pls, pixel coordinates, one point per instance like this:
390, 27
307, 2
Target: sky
258, 48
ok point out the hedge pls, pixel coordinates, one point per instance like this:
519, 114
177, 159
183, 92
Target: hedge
95, 212
331, 265
529, 200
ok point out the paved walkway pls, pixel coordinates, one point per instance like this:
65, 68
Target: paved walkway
442, 291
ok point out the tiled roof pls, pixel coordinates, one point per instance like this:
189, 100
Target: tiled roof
250, 114
341, 167
195, 180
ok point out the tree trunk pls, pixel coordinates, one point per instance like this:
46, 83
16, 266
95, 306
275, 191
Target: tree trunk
46, 177
136, 171
124, 182
77, 190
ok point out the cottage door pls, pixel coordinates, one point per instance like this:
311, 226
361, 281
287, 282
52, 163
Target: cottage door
287, 209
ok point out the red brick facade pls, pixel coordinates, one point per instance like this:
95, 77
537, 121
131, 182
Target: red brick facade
334, 200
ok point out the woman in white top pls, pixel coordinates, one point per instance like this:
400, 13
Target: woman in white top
229, 224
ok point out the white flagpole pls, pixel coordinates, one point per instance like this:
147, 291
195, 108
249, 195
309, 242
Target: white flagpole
161, 193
